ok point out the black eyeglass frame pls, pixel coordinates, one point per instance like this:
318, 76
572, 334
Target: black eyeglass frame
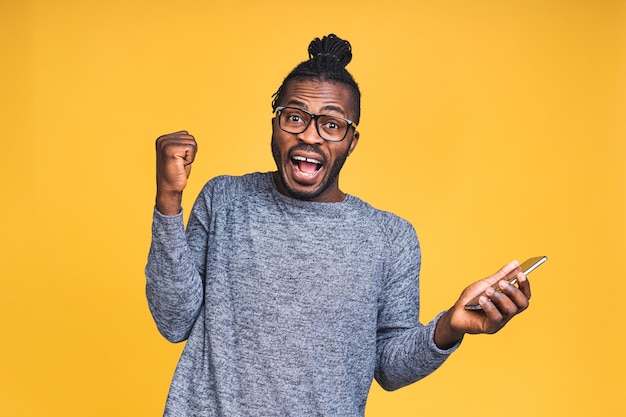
280, 109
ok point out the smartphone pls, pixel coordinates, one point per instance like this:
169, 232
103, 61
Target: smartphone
527, 267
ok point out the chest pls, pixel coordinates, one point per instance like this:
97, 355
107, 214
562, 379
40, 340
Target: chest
295, 270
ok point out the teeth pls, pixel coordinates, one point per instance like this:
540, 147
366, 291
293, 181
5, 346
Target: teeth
309, 160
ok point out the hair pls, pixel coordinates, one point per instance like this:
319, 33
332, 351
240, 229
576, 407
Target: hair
328, 58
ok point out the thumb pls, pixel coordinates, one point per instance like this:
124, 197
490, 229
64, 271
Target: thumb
508, 270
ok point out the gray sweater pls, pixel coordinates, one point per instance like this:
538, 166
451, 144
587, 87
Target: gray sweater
289, 308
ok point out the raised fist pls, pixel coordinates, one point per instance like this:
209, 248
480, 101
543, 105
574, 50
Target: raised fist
175, 152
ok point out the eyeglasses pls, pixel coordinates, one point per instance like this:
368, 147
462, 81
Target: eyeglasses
330, 128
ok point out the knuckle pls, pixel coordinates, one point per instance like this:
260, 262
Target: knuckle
511, 311
492, 328
524, 305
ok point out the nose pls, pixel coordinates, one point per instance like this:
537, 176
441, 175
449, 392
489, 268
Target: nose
310, 134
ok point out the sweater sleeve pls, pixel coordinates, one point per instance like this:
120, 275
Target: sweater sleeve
406, 351
174, 286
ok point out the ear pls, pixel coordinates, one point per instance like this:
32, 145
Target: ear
354, 142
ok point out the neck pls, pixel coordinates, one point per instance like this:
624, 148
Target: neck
331, 194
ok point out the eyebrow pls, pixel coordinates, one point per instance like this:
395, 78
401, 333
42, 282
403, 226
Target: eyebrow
326, 108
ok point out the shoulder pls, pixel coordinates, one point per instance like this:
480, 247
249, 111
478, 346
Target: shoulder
389, 224
381, 218
234, 184
225, 190
230, 186
399, 244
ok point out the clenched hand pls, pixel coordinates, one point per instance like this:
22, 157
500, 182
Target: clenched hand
175, 152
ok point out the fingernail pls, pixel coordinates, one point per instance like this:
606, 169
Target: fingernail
503, 284
490, 291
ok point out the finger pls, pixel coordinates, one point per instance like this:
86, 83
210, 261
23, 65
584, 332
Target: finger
179, 133
493, 316
503, 272
187, 140
524, 285
511, 300
187, 154
188, 158
178, 147
177, 137
501, 299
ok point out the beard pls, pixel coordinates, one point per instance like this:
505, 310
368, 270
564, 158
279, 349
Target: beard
330, 177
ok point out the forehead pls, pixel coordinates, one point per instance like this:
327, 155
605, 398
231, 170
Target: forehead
317, 96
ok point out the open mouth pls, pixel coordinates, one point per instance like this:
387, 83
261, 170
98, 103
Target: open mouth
307, 166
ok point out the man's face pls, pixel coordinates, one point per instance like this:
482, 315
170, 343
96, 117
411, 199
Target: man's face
309, 166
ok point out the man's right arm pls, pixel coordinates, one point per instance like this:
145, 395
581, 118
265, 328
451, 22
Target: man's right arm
173, 286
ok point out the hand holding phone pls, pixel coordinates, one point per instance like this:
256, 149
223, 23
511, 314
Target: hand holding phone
527, 267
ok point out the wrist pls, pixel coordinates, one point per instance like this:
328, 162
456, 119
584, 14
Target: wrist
445, 335
169, 203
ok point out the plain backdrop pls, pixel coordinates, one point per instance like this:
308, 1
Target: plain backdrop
496, 127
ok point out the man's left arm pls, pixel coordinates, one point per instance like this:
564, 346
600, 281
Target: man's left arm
406, 351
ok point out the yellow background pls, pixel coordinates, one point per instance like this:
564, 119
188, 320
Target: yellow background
496, 127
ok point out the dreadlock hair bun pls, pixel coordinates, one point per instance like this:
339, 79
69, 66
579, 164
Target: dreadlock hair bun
331, 47
327, 62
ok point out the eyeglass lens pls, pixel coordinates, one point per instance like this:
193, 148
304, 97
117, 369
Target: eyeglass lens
330, 128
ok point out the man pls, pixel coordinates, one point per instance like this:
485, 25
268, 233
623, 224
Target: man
291, 294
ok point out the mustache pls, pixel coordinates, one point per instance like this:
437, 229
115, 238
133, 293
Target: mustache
309, 149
